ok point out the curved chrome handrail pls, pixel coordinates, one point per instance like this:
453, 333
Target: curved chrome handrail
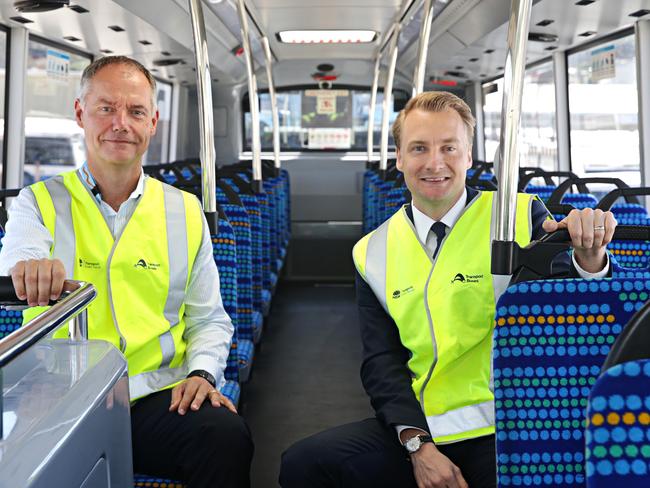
72, 306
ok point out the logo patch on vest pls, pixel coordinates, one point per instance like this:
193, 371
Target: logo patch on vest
144, 265
84, 263
400, 293
461, 278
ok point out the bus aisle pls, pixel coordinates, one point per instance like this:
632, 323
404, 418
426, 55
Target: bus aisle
306, 376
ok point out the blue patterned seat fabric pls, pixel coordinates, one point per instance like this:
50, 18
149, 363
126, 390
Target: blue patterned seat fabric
263, 201
238, 219
550, 341
255, 216
224, 251
10, 320
618, 428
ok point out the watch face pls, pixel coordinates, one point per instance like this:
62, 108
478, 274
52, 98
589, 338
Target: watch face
413, 444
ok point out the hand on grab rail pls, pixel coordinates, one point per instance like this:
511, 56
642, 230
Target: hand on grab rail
38, 280
590, 230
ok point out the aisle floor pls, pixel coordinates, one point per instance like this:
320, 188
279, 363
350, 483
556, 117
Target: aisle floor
306, 374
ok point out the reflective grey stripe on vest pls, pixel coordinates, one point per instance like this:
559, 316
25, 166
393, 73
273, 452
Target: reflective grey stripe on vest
145, 383
462, 419
64, 238
376, 263
178, 267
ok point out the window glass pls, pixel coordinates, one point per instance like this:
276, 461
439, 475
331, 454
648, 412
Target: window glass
538, 136
158, 151
603, 105
53, 140
335, 119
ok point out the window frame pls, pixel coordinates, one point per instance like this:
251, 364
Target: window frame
4, 28
245, 97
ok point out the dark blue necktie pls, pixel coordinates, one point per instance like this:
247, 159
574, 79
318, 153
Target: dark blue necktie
439, 229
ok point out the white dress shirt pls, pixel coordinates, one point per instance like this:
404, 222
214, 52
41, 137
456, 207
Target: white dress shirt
208, 328
423, 223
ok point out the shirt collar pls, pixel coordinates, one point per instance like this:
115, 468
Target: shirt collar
423, 222
89, 181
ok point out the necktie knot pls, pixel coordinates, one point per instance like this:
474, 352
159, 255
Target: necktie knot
439, 229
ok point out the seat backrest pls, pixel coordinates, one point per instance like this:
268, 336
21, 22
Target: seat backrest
551, 338
618, 427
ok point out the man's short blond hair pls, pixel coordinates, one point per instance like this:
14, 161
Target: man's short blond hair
436, 101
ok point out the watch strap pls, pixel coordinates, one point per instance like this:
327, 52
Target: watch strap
201, 373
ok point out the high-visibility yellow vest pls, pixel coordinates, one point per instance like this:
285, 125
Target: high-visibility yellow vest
141, 277
444, 310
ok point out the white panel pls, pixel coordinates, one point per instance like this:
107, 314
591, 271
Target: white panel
220, 121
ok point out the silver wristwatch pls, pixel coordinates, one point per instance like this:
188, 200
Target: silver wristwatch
415, 443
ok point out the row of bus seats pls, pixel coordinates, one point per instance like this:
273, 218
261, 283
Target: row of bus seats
249, 248
572, 404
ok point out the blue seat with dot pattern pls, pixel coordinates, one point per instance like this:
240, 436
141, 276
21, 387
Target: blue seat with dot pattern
10, 320
257, 240
238, 219
618, 428
551, 338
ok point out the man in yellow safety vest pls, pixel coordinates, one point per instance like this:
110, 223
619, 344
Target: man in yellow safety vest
427, 301
147, 249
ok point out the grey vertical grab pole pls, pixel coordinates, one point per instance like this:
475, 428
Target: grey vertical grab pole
388, 91
206, 121
252, 98
274, 104
423, 47
372, 108
508, 174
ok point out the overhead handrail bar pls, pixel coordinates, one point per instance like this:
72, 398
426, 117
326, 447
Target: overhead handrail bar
252, 98
423, 47
405, 11
388, 91
71, 308
513, 85
274, 102
372, 108
206, 120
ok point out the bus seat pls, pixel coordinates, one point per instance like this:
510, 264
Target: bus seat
551, 338
253, 209
143, 481
238, 218
618, 427
225, 256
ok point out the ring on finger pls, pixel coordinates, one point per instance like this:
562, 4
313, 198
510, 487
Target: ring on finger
599, 227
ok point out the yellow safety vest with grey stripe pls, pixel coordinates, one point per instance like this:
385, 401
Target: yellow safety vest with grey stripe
141, 277
444, 310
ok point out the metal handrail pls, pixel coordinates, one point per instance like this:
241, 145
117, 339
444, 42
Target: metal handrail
206, 120
72, 306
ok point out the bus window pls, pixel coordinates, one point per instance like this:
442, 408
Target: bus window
53, 141
335, 119
603, 104
538, 137
158, 151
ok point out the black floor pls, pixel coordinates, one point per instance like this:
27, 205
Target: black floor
306, 374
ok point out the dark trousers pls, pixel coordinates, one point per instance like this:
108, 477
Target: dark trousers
368, 454
209, 448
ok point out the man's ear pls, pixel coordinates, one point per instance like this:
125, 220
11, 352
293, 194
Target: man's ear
398, 155
154, 122
78, 111
470, 161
